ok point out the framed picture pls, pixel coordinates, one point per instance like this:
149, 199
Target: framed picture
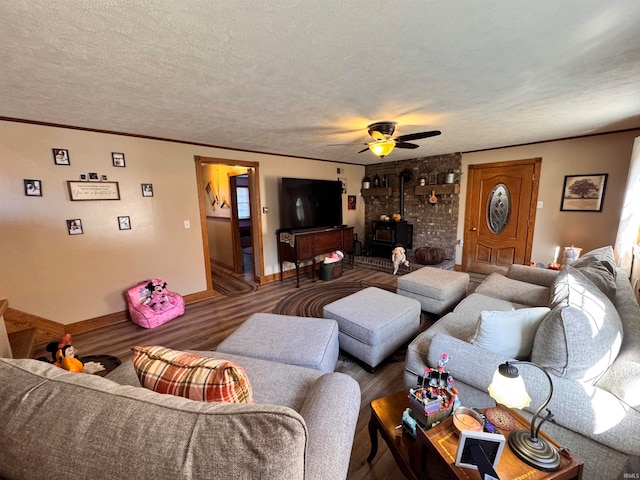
118, 159
103, 178
212, 195
93, 177
93, 191
344, 184
74, 227
32, 188
124, 223
83, 177
474, 446
61, 156
351, 202
147, 189
583, 193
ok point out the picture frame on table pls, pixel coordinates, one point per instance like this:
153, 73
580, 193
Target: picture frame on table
583, 193
479, 450
61, 156
32, 188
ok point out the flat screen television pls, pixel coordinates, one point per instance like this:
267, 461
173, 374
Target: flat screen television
308, 204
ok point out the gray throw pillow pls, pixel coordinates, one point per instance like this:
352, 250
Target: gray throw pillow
581, 336
598, 274
497, 285
602, 254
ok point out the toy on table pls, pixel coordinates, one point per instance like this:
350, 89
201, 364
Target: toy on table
433, 400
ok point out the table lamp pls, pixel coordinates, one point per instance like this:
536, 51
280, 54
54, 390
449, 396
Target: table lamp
507, 388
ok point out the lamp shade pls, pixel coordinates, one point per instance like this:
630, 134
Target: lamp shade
382, 148
509, 391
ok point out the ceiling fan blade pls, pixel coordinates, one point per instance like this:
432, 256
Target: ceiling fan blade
364, 150
406, 145
416, 136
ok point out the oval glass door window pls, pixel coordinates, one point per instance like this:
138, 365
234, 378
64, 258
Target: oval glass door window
498, 208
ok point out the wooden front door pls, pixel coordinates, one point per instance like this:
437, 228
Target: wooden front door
500, 215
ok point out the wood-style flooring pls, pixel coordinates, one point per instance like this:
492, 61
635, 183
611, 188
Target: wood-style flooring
205, 324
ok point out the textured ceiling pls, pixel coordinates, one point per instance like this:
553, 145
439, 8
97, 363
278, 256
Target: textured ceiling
292, 76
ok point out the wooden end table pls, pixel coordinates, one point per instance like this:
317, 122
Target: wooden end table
431, 455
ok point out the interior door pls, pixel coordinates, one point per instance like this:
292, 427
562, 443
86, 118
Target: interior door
235, 225
500, 215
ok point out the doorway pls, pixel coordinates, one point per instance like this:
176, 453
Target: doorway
500, 215
220, 212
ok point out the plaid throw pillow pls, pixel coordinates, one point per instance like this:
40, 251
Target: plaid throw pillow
191, 376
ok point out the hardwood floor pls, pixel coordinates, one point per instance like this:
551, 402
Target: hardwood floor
205, 324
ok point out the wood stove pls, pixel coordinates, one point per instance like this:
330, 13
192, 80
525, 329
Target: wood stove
386, 235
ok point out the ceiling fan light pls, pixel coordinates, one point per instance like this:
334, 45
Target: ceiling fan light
382, 148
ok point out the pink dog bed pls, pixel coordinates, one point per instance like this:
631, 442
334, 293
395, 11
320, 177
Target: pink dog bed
151, 304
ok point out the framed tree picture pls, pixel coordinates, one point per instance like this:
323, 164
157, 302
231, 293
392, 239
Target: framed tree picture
583, 193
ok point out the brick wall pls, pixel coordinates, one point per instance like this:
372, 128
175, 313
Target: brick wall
434, 225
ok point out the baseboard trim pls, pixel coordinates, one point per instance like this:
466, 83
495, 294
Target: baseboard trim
115, 318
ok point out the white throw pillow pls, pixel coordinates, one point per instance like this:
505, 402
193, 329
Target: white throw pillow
509, 333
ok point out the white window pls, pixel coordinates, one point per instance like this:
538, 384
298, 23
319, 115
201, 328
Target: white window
244, 211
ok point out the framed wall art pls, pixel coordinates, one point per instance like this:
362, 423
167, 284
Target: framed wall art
32, 188
93, 190
61, 156
583, 193
124, 223
118, 159
74, 226
147, 189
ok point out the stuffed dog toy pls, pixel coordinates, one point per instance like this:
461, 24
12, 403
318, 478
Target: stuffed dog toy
398, 257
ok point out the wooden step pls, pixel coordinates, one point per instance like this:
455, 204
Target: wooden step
22, 343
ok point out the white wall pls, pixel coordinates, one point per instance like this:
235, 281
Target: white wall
67, 278
609, 154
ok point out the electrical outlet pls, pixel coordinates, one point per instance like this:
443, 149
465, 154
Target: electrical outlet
540, 204
187, 224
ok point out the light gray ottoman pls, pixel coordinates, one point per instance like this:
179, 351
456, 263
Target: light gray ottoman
436, 289
302, 341
374, 323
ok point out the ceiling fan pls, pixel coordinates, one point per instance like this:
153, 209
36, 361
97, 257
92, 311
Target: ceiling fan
383, 143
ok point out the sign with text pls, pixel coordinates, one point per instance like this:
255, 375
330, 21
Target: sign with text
93, 190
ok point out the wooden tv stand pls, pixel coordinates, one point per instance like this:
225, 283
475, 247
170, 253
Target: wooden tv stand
302, 246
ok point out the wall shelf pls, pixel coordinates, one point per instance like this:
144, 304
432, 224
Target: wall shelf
376, 192
442, 189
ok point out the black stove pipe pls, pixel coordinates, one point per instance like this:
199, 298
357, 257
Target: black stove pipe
405, 176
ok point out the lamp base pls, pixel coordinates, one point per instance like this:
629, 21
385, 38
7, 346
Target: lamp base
536, 452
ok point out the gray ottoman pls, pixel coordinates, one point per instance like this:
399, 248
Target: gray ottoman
436, 289
302, 341
374, 323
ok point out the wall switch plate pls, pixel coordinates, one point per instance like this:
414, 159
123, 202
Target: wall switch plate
187, 224
540, 203
265, 209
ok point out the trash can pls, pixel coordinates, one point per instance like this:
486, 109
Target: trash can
330, 271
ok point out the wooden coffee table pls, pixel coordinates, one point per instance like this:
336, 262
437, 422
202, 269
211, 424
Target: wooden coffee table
431, 455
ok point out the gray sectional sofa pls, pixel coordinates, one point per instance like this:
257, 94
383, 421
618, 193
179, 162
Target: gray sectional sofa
55, 424
588, 339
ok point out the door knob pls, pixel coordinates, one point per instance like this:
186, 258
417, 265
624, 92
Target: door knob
474, 229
